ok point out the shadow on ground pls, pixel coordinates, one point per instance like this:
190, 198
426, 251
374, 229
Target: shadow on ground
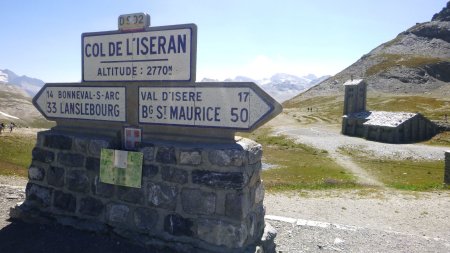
20, 237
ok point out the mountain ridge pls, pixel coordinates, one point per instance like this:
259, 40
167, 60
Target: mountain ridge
281, 86
416, 61
28, 84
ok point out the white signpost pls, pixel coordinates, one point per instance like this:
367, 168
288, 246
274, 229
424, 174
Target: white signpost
82, 102
152, 55
157, 54
239, 106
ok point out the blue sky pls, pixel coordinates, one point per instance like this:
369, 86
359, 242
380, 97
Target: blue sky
254, 38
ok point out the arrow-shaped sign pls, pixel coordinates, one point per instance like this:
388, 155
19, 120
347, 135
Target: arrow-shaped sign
70, 101
240, 106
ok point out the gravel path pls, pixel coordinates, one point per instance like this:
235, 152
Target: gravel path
331, 139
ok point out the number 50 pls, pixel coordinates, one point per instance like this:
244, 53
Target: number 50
239, 114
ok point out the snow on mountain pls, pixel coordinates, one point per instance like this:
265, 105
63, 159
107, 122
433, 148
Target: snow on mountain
280, 86
30, 85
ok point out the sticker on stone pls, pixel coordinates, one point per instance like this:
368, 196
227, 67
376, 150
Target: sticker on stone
120, 167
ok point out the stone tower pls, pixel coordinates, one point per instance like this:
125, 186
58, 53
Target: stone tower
355, 96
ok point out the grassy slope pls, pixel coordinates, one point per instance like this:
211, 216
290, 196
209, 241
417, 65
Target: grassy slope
401, 174
297, 166
15, 154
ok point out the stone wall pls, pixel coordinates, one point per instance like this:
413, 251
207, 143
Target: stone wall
194, 197
447, 168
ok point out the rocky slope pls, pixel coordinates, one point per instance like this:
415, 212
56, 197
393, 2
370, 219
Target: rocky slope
417, 61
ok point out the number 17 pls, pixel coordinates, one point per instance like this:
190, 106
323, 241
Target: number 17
243, 96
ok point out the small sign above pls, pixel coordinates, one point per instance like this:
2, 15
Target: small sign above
166, 53
133, 22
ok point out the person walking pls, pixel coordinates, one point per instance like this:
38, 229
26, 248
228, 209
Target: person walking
11, 126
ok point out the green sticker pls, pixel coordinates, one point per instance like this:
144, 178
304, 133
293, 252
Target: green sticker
121, 167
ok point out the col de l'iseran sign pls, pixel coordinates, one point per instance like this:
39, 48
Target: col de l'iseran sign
166, 53
147, 74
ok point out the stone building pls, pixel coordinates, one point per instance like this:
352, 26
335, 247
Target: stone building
391, 127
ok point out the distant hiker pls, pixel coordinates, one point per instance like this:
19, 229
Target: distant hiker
445, 118
2, 126
11, 126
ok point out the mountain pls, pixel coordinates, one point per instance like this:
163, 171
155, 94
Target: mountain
417, 61
280, 86
30, 85
15, 100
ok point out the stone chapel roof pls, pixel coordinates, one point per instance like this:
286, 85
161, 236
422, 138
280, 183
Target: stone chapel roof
380, 118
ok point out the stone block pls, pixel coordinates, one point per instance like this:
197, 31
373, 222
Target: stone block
190, 157
55, 176
43, 155
71, 159
91, 206
259, 193
64, 201
254, 150
162, 195
177, 225
36, 173
229, 157
255, 154
80, 145
40, 138
222, 233
195, 201
166, 155
118, 213
58, 141
93, 164
145, 219
255, 222
174, 175
149, 171
95, 147
148, 152
103, 189
131, 195
237, 205
77, 180
38, 195
268, 238
224, 180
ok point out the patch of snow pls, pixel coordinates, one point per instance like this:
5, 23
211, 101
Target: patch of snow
7, 115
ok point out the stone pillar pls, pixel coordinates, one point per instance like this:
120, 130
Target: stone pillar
355, 92
195, 197
447, 168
